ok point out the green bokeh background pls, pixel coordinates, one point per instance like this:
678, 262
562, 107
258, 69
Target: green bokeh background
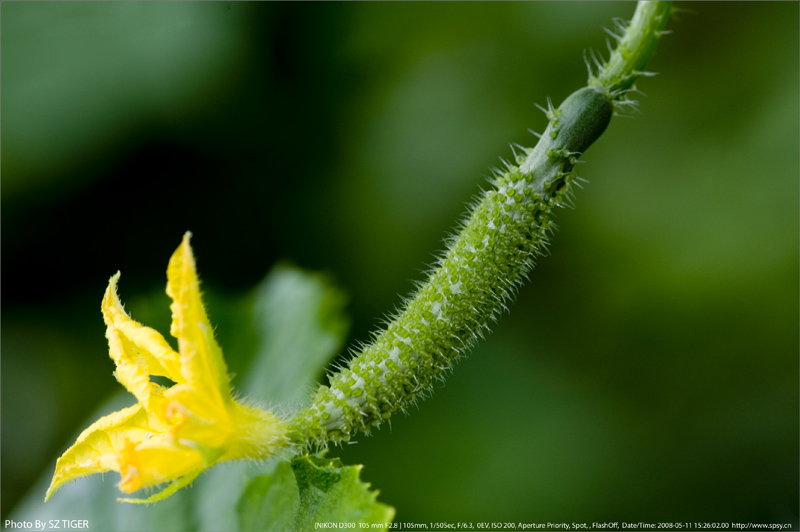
649, 369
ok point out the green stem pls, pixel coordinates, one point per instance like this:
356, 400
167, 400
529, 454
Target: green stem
634, 48
485, 262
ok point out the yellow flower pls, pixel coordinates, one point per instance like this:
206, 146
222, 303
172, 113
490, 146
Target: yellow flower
175, 433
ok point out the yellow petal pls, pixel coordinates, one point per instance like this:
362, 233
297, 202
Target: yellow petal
96, 449
197, 417
137, 351
201, 359
156, 460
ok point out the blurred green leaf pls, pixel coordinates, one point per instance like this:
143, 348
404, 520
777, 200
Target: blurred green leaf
270, 501
301, 325
311, 490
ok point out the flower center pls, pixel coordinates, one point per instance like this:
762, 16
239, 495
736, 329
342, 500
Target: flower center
129, 468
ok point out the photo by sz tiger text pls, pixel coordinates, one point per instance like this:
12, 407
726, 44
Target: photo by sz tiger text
51, 524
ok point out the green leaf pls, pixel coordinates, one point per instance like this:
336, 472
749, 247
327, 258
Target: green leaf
332, 493
270, 501
310, 490
300, 320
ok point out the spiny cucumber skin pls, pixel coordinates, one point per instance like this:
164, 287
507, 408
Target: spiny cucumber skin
480, 272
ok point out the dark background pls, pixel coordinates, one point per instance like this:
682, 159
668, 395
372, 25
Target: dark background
649, 370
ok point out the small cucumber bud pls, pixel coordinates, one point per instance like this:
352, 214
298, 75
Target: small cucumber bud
585, 114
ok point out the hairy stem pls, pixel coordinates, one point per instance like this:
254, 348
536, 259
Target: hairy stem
636, 44
485, 262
